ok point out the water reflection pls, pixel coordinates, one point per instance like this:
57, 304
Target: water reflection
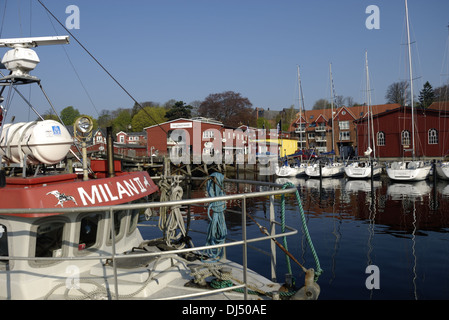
403, 228
411, 190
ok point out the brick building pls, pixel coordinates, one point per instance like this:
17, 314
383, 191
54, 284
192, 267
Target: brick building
314, 128
199, 136
393, 132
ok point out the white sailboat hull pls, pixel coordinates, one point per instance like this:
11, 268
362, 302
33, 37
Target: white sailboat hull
287, 171
443, 170
412, 171
362, 170
327, 171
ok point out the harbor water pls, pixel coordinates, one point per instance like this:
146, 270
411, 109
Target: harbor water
375, 240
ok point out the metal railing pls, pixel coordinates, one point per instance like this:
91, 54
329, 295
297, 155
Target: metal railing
244, 242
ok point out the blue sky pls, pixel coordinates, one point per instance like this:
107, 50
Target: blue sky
188, 49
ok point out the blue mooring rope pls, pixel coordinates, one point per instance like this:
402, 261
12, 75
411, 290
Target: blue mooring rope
217, 230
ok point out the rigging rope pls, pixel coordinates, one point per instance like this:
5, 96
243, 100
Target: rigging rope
304, 225
217, 231
102, 67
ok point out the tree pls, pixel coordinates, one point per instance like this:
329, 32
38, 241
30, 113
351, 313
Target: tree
105, 119
147, 117
69, 115
339, 101
228, 107
263, 123
350, 102
426, 96
122, 121
138, 106
195, 106
442, 93
321, 104
288, 116
179, 110
397, 93
49, 115
169, 104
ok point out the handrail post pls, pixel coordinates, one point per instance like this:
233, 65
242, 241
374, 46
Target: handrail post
114, 266
272, 244
245, 249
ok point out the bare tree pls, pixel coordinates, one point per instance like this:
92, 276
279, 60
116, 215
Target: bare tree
398, 92
442, 93
350, 102
228, 107
321, 104
339, 101
195, 106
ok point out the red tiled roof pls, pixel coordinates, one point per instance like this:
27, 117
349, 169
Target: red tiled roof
356, 111
440, 105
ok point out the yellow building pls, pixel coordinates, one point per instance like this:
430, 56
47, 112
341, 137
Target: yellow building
285, 146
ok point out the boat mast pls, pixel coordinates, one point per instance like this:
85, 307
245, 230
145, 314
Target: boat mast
332, 106
370, 114
301, 105
411, 79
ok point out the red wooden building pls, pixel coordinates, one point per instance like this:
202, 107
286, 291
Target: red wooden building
393, 133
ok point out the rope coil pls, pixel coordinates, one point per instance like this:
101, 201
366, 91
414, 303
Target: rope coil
171, 219
217, 230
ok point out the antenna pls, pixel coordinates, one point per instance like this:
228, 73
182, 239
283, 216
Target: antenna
33, 42
20, 60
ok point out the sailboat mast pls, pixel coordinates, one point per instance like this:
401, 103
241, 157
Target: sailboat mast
370, 113
300, 111
332, 105
411, 78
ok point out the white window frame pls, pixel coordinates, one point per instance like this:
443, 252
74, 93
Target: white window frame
208, 134
433, 136
343, 125
345, 135
405, 138
381, 138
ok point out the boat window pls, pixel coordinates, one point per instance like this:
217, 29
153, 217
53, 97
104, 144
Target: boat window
88, 235
136, 215
3, 244
119, 224
134, 219
49, 239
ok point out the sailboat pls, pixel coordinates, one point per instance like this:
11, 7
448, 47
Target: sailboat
369, 167
442, 169
323, 167
290, 171
297, 169
414, 170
